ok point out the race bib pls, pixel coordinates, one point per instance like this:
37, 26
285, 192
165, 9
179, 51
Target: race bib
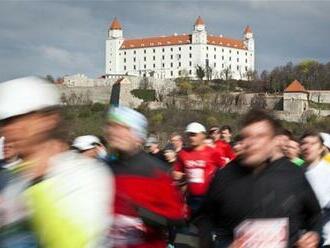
196, 175
262, 233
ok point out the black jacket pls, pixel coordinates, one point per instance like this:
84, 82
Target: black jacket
279, 190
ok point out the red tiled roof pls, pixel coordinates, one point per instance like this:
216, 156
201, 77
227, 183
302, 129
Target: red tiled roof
157, 41
199, 21
115, 24
227, 42
247, 30
295, 86
178, 40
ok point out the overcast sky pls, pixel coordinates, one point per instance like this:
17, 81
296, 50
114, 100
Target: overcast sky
68, 37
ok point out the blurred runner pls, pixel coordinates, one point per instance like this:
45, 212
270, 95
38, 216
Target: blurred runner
62, 196
226, 134
146, 199
257, 201
87, 145
177, 141
318, 175
152, 146
222, 147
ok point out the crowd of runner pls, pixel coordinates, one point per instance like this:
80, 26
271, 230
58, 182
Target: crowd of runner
260, 187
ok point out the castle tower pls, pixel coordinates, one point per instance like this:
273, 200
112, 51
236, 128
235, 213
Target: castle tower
295, 98
113, 44
248, 39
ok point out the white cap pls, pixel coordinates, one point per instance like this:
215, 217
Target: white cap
25, 95
195, 127
86, 142
326, 139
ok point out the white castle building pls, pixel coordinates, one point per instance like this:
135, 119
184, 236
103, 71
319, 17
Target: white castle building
179, 54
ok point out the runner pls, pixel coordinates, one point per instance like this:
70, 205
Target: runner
146, 199
221, 146
318, 175
65, 196
259, 201
197, 163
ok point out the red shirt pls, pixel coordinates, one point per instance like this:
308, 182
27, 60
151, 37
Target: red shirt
199, 167
224, 150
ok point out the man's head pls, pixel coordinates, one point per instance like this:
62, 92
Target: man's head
126, 129
258, 133
29, 113
226, 133
312, 147
214, 133
289, 145
196, 134
152, 144
87, 145
177, 141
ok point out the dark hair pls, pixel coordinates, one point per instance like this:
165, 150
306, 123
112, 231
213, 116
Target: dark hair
258, 115
226, 127
312, 133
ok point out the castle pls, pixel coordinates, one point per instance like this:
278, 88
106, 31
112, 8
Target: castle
166, 57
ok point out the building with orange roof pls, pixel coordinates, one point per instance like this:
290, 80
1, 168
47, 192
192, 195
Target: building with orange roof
177, 55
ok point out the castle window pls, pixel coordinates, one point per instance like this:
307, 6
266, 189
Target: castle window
163, 50
229, 51
207, 55
237, 60
190, 55
190, 47
246, 54
179, 56
154, 57
124, 60
229, 66
223, 50
189, 72
171, 73
134, 59
179, 73
145, 58
237, 67
171, 56
124, 53
134, 67
171, 49
163, 57
215, 56
190, 63
246, 68
215, 49
154, 65
154, 50
145, 51
245, 60
237, 52
125, 68
163, 65
179, 64
207, 48
229, 58
215, 64
179, 48
223, 57
171, 64
223, 66
134, 52
145, 66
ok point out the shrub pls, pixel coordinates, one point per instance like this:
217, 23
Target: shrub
144, 94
